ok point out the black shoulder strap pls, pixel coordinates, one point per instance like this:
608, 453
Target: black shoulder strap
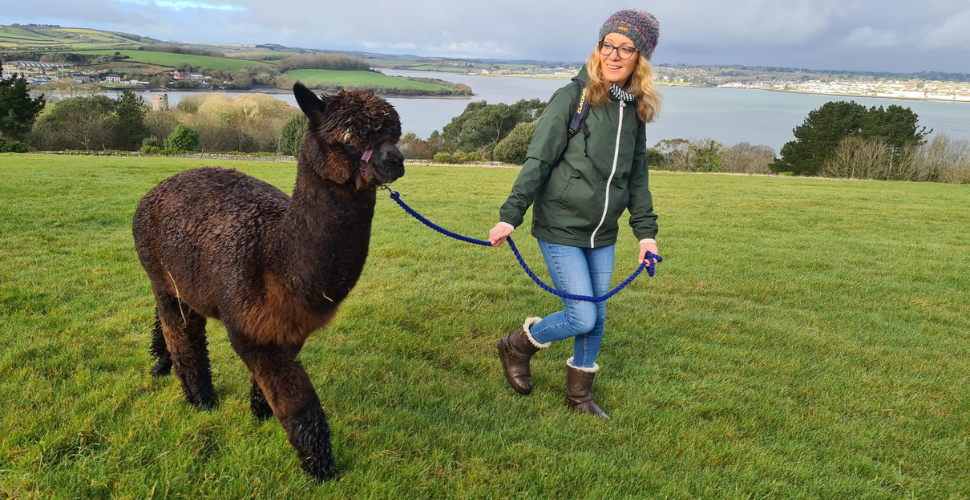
582, 110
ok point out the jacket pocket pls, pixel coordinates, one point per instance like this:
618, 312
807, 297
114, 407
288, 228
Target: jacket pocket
571, 180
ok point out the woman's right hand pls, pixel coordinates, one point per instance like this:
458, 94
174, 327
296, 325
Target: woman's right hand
498, 234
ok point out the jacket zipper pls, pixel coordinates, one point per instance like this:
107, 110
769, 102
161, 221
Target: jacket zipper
616, 156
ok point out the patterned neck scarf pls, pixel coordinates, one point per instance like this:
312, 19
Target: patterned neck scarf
621, 94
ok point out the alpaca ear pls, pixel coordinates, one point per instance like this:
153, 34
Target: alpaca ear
310, 104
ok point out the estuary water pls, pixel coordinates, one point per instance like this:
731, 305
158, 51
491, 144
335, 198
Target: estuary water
726, 115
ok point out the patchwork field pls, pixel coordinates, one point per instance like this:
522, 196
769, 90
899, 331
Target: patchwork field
367, 79
804, 338
172, 60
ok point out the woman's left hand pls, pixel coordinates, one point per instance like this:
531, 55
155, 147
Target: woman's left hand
648, 247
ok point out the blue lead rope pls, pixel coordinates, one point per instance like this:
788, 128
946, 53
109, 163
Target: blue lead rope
485, 243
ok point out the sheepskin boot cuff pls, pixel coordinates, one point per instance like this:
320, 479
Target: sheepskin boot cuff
594, 369
515, 350
528, 333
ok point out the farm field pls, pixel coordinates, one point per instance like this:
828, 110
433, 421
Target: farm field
804, 338
78, 38
172, 60
367, 79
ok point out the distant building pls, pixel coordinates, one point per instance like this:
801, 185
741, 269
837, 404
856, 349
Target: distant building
179, 75
159, 102
112, 78
32, 68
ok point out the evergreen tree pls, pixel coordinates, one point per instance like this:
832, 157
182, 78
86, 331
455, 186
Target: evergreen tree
817, 138
17, 110
482, 126
130, 128
896, 125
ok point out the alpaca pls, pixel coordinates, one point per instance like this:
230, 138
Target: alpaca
216, 243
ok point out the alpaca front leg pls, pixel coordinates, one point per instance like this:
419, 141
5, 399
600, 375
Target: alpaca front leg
289, 393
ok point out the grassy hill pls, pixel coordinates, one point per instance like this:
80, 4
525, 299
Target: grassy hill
804, 338
23, 37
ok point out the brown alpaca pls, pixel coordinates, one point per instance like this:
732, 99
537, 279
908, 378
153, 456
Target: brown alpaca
219, 244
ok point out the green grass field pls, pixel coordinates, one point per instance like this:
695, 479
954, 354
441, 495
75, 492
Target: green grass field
172, 60
363, 79
804, 338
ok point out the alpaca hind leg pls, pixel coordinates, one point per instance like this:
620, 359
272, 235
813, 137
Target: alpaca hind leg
295, 404
184, 333
159, 351
257, 402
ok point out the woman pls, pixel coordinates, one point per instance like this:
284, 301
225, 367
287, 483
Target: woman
580, 187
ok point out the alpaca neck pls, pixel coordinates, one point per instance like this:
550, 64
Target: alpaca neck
326, 231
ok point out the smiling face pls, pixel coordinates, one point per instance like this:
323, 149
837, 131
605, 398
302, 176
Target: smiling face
612, 51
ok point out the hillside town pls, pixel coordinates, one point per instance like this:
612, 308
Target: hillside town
850, 85
782, 80
38, 73
908, 89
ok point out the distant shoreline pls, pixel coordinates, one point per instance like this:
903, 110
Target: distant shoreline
274, 90
261, 90
682, 85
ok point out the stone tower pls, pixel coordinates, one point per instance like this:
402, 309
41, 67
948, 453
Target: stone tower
159, 102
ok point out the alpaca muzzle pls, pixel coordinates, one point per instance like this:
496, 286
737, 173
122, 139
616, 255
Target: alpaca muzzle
390, 163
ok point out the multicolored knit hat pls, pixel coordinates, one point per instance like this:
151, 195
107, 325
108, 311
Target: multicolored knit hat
641, 27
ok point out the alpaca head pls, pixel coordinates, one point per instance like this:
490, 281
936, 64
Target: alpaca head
359, 131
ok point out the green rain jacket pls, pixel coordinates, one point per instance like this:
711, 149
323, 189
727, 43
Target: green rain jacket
578, 202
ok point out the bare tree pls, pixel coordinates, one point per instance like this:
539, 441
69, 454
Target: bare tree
746, 158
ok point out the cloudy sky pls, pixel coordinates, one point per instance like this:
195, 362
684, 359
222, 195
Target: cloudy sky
862, 35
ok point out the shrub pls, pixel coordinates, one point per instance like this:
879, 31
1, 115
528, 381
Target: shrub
160, 124
473, 156
182, 139
513, 148
14, 147
443, 158
151, 150
86, 123
291, 135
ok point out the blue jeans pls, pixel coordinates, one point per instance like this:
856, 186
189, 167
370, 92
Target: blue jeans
578, 271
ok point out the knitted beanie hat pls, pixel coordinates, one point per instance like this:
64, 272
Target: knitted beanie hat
641, 27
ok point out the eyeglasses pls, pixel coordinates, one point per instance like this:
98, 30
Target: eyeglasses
624, 51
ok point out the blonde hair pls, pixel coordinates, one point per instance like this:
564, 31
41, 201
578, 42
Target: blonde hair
640, 85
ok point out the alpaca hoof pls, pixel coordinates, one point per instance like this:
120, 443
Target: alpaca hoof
205, 405
319, 470
162, 368
261, 411
202, 401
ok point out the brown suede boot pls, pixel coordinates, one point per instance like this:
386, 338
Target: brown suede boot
515, 350
578, 383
